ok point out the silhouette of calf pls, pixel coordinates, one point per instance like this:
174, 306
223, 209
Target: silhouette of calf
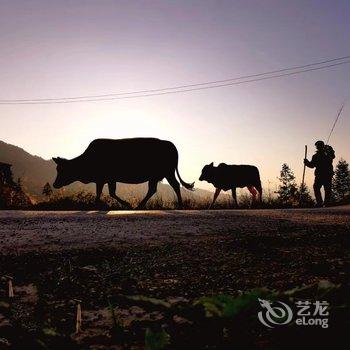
131, 161
229, 177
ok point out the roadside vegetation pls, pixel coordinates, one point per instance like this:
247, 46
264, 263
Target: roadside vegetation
70, 305
288, 195
12, 195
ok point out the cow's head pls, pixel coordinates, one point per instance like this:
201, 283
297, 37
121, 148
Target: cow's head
207, 172
65, 172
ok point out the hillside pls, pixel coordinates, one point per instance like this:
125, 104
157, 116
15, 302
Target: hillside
35, 171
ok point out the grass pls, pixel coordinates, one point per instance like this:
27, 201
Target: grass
86, 201
208, 322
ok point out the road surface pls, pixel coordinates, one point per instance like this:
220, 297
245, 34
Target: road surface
25, 231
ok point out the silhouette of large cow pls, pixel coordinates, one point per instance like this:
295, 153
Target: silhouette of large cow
131, 161
229, 177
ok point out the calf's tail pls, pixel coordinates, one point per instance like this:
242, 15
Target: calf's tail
183, 183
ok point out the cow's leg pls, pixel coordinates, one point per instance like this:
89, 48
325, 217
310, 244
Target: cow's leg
259, 188
152, 189
234, 196
176, 186
99, 188
112, 187
254, 192
216, 194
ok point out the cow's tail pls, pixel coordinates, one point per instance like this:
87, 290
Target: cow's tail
183, 183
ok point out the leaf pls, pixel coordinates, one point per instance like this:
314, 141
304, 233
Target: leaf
156, 340
50, 332
227, 306
4, 305
153, 301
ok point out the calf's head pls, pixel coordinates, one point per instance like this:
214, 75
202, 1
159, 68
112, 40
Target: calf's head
65, 173
207, 172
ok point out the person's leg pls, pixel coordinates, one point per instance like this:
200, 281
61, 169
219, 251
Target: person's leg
317, 191
327, 191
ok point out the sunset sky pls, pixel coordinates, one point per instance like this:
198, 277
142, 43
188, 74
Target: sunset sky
51, 49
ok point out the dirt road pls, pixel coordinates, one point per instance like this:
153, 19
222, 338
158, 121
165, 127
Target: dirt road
205, 251
25, 231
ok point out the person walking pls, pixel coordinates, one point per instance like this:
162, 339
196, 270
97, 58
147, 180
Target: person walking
322, 160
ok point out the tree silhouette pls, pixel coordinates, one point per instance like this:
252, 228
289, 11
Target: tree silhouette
12, 194
341, 181
304, 196
18, 185
287, 190
47, 190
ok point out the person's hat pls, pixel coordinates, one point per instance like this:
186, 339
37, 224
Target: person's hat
319, 143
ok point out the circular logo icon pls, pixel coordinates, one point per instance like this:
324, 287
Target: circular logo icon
277, 315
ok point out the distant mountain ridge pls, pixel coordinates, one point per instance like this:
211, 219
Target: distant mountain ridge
35, 172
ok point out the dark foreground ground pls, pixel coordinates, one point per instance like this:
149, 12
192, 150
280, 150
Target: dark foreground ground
140, 277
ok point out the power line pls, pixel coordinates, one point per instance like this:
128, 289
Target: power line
182, 88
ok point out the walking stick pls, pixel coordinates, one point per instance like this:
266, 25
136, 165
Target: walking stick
303, 180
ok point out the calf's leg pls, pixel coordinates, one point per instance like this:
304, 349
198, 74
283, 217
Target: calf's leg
234, 196
99, 188
112, 187
216, 194
254, 192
